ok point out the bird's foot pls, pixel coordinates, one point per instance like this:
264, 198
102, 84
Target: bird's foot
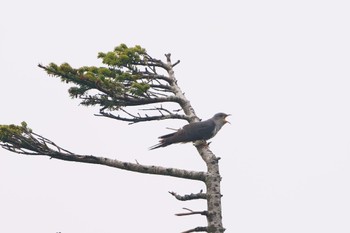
201, 143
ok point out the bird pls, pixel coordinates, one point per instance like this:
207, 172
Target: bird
202, 130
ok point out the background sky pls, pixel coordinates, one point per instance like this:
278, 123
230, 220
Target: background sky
281, 68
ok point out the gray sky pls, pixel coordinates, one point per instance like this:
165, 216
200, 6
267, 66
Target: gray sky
281, 68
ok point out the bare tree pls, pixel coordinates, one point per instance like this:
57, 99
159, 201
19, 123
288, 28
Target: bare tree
129, 78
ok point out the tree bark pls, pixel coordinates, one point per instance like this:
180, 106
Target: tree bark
214, 195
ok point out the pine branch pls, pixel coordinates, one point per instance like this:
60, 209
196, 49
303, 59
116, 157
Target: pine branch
126, 100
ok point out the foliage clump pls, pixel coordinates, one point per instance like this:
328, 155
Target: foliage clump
127, 79
7, 132
122, 56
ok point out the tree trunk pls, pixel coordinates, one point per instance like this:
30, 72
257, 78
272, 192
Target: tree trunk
212, 182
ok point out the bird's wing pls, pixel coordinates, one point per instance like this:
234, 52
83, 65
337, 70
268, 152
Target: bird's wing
189, 133
166, 135
194, 131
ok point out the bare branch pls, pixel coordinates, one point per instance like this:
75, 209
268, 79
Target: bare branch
192, 212
178, 61
168, 55
152, 63
197, 229
169, 113
135, 167
136, 119
191, 196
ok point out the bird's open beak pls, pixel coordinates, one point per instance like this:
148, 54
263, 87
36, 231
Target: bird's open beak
226, 121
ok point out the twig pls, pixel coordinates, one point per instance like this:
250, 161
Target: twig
178, 61
192, 212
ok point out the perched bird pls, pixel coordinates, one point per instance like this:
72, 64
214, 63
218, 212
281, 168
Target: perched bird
202, 130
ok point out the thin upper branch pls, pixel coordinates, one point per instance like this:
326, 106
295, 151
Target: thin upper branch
183, 101
136, 119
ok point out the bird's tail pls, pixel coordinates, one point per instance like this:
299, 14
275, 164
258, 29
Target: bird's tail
156, 146
163, 141
166, 136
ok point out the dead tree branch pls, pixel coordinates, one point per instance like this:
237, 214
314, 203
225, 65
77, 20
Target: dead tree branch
191, 212
197, 229
191, 196
21, 140
132, 119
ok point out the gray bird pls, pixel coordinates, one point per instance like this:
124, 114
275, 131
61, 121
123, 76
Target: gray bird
202, 130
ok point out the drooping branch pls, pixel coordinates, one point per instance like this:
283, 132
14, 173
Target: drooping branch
22, 140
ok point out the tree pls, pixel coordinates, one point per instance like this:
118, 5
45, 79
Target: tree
129, 77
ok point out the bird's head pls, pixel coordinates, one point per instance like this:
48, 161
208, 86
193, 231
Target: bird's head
221, 118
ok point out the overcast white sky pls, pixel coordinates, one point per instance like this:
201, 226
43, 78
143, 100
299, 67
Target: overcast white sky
281, 68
